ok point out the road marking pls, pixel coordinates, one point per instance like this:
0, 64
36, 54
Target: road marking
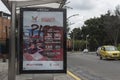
72, 75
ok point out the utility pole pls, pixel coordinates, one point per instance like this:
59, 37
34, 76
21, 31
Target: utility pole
73, 31
73, 40
87, 41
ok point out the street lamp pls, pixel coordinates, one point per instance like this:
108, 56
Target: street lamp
73, 41
70, 25
86, 40
72, 16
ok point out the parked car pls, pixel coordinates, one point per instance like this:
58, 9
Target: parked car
109, 52
98, 51
85, 51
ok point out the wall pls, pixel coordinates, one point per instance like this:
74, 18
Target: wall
4, 28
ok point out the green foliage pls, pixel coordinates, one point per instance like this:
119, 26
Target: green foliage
101, 30
93, 44
79, 45
95, 29
76, 34
118, 47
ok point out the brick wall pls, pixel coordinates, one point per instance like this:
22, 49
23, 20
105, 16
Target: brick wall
4, 28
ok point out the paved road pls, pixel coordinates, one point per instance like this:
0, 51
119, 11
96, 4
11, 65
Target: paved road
90, 67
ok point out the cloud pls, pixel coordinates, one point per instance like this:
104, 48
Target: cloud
88, 9
81, 4
85, 8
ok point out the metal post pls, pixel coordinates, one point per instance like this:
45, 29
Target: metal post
86, 42
18, 44
73, 41
11, 71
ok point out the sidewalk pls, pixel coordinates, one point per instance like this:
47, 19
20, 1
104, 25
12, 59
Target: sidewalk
4, 75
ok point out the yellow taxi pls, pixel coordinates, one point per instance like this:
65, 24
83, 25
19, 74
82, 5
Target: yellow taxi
109, 52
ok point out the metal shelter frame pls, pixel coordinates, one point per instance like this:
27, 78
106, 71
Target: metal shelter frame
12, 5
33, 3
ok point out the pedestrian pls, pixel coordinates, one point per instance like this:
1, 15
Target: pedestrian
0, 51
4, 53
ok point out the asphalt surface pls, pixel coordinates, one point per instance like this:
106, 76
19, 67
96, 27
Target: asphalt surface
85, 66
89, 67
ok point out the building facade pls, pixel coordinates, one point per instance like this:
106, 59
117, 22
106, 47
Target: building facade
4, 26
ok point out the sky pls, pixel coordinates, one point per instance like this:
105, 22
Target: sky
88, 9
85, 8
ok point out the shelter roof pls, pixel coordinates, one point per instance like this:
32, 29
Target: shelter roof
35, 3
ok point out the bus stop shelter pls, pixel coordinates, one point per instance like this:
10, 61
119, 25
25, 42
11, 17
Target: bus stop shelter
14, 6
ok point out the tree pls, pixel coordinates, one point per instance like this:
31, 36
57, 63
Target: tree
94, 27
111, 23
117, 13
101, 30
104, 29
76, 34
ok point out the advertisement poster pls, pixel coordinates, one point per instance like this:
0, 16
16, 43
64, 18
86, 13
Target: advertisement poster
42, 39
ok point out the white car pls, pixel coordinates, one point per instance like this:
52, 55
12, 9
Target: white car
85, 51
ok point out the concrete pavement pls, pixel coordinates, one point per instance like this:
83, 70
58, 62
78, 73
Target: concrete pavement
4, 75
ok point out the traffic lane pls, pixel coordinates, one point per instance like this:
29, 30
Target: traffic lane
90, 66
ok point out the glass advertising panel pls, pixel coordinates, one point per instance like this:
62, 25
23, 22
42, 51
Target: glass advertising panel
42, 40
